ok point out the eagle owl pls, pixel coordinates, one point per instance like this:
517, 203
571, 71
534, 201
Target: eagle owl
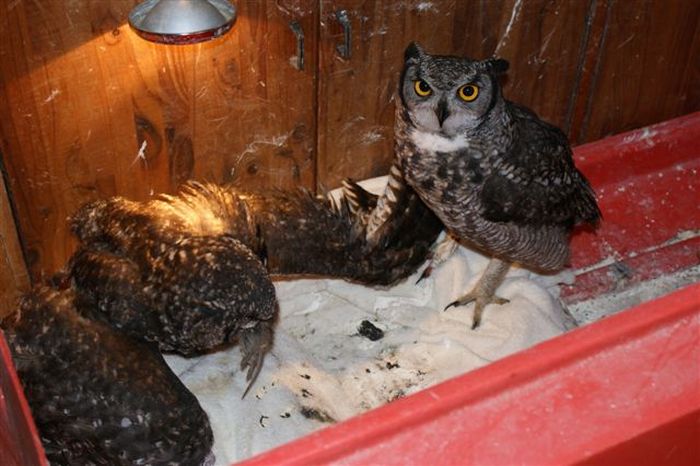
191, 272
153, 276
98, 396
499, 178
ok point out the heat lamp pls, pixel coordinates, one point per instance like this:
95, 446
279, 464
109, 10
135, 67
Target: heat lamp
182, 22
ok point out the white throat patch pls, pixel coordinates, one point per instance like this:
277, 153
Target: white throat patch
436, 143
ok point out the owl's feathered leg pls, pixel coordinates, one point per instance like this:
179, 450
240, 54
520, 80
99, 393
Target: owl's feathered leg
388, 206
484, 292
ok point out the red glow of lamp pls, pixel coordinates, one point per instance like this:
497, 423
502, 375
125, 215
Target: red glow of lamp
182, 22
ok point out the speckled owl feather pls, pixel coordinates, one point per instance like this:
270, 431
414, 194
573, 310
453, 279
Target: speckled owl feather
158, 278
98, 396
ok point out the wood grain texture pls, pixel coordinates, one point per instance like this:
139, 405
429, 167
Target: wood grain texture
542, 41
13, 272
94, 111
255, 116
648, 69
591, 48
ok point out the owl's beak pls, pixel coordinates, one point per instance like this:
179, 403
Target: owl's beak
442, 112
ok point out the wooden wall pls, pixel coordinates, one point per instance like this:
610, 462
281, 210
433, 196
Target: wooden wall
13, 274
90, 110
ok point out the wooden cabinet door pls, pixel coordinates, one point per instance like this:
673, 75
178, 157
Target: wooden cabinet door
91, 110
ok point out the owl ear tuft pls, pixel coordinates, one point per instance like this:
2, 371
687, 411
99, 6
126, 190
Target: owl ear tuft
496, 66
413, 52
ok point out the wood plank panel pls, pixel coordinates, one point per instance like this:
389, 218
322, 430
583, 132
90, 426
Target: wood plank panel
93, 111
540, 38
255, 116
591, 49
13, 272
649, 66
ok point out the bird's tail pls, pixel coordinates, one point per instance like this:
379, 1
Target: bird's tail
299, 233
293, 231
327, 236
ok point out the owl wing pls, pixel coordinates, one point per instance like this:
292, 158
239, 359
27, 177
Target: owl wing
109, 287
99, 397
537, 182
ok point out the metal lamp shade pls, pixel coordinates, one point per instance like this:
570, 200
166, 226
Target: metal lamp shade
182, 21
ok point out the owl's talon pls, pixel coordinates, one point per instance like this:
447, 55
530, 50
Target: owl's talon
253, 371
476, 319
484, 293
480, 300
426, 273
245, 361
255, 343
457, 302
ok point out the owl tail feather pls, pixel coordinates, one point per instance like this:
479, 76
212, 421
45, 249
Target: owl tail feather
307, 235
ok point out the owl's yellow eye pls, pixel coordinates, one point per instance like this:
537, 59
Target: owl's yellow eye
422, 88
468, 92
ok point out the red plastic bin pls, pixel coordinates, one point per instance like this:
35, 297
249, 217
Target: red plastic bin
624, 390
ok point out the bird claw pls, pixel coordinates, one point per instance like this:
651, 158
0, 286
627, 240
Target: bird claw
442, 251
480, 300
253, 369
426, 273
255, 342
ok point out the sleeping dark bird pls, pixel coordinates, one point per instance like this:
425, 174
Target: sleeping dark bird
156, 278
190, 272
97, 396
500, 179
